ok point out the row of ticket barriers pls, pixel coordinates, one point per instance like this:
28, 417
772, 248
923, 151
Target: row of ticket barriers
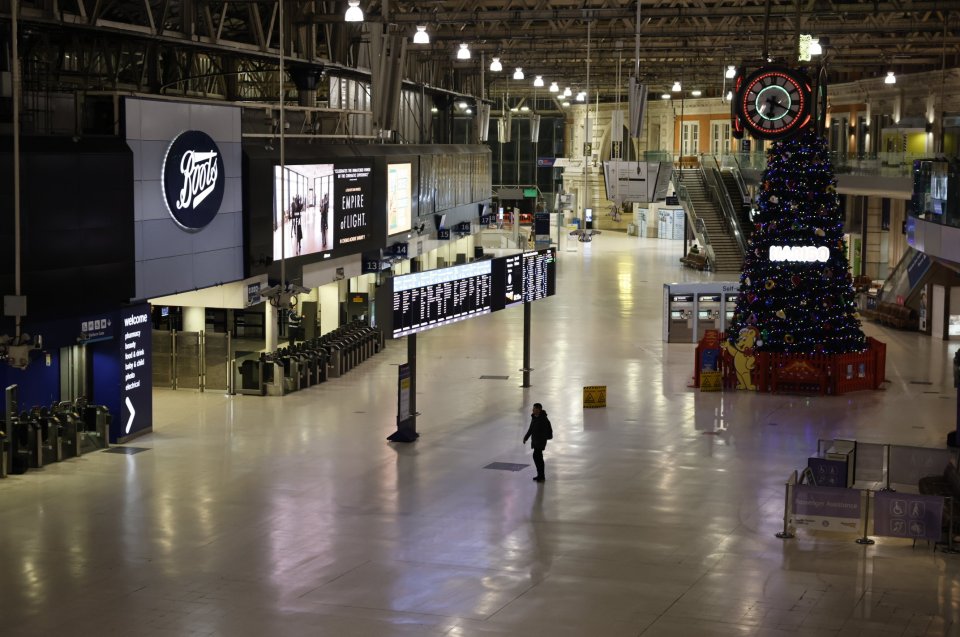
307, 363
44, 435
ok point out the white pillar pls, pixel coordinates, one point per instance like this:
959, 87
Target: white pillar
194, 319
271, 336
329, 296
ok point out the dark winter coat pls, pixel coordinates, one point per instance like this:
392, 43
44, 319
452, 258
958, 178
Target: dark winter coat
540, 431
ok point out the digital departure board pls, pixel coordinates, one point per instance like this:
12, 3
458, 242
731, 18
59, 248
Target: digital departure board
424, 300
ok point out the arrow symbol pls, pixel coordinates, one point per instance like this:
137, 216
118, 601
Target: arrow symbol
133, 412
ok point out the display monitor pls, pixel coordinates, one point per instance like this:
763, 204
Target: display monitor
424, 300
399, 198
320, 208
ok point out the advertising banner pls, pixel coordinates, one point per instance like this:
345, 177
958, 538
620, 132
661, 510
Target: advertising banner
826, 508
908, 515
399, 198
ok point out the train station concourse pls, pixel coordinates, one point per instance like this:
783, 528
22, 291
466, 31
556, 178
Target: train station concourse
249, 515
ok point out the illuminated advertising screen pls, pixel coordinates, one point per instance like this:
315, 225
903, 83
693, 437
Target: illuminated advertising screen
399, 198
320, 208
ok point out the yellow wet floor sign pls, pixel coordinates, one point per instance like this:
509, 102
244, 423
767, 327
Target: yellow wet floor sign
594, 396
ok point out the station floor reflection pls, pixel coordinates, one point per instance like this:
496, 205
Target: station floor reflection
294, 516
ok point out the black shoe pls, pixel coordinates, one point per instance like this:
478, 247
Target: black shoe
539, 479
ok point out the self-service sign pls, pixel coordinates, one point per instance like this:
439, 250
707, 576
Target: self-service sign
136, 400
193, 179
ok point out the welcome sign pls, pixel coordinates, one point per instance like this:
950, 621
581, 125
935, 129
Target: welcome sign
193, 179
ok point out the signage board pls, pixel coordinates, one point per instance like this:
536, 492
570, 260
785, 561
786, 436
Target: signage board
545, 162
826, 508
193, 179
98, 329
828, 472
399, 198
908, 515
136, 399
594, 396
253, 293
529, 193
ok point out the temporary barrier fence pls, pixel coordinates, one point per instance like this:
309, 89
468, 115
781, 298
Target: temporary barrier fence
889, 514
886, 467
833, 374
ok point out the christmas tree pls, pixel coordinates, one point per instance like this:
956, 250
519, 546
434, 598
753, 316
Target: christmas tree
795, 288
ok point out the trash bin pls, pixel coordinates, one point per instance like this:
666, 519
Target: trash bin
576, 222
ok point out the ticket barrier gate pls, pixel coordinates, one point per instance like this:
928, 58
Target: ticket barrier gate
249, 371
25, 451
96, 428
70, 429
49, 431
4, 451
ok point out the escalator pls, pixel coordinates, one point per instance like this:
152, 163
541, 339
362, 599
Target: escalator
741, 202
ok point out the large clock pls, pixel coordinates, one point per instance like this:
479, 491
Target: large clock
774, 102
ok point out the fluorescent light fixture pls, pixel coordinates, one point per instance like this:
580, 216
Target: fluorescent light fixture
514, 110
696, 92
538, 81
495, 65
567, 92
354, 12
518, 74
890, 79
676, 87
421, 36
554, 88
731, 72
464, 52
665, 96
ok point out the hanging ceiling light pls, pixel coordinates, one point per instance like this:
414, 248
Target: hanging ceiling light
567, 92
421, 36
729, 96
890, 79
676, 87
815, 47
354, 12
462, 105
566, 104
696, 92
518, 74
434, 109
554, 88
731, 72
464, 52
665, 96
538, 81
581, 96
495, 65
524, 109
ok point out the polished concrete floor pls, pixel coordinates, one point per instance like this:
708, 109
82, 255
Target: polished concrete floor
293, 516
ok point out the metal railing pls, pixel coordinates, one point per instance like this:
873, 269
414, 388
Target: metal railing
718, 192
698, 225
862, 164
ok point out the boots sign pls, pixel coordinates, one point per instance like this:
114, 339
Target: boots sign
193, 179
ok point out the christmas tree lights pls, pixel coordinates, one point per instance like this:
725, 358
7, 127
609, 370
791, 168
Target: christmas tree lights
795, 288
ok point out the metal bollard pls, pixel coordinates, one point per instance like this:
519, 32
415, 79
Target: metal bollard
786, 533
866, 521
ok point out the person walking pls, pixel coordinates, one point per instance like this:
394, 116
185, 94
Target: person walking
539, 433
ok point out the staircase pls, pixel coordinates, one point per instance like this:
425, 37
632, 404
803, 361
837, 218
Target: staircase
728, 257
743, 209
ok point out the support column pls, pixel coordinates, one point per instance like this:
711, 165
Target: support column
526, 343
270, 331
194, 319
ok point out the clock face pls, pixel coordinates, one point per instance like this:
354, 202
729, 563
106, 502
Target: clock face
774, 103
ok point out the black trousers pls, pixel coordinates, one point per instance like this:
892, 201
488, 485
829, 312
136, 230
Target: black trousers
538, 461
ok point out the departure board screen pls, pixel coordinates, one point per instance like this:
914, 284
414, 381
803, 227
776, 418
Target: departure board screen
424, 300
539, 274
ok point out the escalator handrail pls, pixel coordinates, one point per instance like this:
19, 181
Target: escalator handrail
720, 194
